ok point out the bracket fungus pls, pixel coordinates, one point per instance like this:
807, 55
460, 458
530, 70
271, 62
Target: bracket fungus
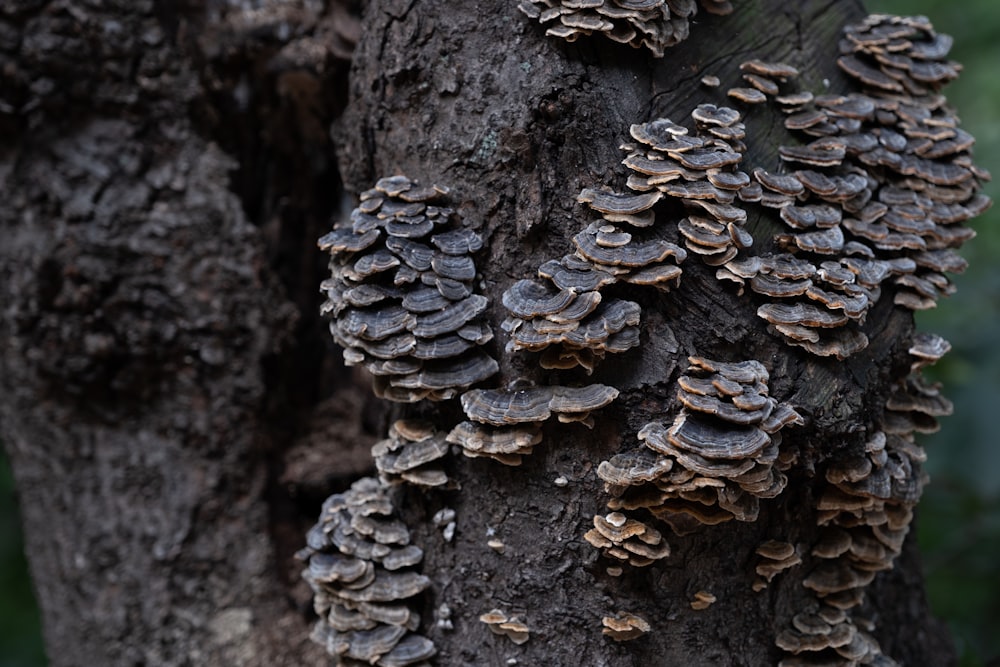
699, 170
506, 444
502, 408
702, 600
717, 459
571, 329
873, 198
360, 567
507, 626
412, 453
507, 424
869, 194
627, 540
822, 637
401, 293
624, 627
653, 24
775, 557
864, 512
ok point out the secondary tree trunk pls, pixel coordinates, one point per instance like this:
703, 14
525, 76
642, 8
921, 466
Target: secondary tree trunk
174, 411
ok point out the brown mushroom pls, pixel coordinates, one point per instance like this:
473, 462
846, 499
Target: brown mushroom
624, 626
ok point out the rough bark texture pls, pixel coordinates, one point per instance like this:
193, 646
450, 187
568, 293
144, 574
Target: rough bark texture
172, 408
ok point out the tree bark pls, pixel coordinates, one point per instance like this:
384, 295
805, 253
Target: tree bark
174, 412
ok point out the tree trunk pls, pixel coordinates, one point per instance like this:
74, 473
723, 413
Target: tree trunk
174, 412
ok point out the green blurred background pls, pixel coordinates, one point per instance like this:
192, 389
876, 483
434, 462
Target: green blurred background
959, 516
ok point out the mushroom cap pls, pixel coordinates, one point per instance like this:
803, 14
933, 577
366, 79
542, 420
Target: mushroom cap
704, 438
773, 70
348, 240
448, 319
788, 184
581, 399
624, 626
635, 254
631, 468
328, 568
727, 411
747, 95
702, 600
412, 455
794, 641
574, 277
821, 216
743, 372
414, 254
615, 203
389, 586
505, 444
500, 408
776, 550
761, 83
533, 298
618, 528
410, 650
710, 114
836, 575
801, 314
450, 373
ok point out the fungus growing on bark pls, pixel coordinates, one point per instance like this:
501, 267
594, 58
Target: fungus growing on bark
702, 600
624, 626
401, 293
627, 540
360, 569
879, 186
775, 557
496, 407
926, 349
700, 170
506, 444
507, 626
870, 198
410, 454
579, 335
653, 24
865, 513
717, 459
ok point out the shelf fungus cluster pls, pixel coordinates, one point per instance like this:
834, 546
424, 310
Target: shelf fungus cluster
506, 425
361, 569
563, 314
627, 540
401, 293
511, 627
700, 170
775, 557
825, 635
864, 513
718, 458
623, 627
564, 317
653, 24
412, 453
874, 196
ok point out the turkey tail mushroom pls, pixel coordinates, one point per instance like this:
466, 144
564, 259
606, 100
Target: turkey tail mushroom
401, 293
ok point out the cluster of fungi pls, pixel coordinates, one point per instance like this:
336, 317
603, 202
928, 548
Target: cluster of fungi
867, 197
654, 24
361, 569
401, 293
717, 459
